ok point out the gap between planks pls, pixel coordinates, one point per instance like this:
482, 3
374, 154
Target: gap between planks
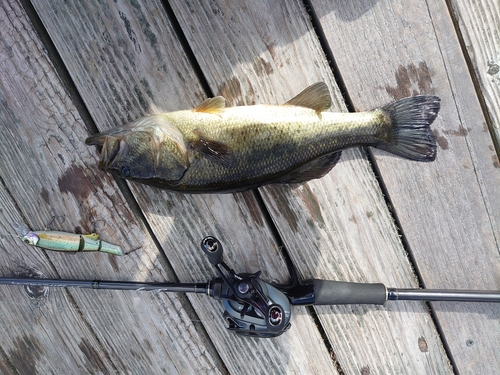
474, 76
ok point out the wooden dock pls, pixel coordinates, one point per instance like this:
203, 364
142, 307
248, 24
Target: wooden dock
70, 69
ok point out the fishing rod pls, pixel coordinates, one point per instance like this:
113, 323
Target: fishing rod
254, 307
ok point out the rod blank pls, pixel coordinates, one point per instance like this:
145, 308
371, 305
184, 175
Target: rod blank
114, 285
394, 294
327, 292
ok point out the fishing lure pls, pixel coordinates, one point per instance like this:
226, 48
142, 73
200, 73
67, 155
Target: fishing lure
64, 241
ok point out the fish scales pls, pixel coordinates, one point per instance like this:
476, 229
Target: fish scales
271, 141
218, 149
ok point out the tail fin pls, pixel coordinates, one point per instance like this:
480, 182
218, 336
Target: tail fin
411, 136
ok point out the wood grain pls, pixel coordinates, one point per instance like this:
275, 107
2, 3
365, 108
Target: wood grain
29, 314
120, 81
478, 25
46, 170
448, 209
335, 228
126, 61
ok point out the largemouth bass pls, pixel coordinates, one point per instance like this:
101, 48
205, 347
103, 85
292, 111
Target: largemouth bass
214, 149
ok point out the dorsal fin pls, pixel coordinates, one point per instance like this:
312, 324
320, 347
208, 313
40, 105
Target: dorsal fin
213, 105
316, 97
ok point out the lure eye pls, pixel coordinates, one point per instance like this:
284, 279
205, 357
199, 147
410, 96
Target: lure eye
30, 238
126, 171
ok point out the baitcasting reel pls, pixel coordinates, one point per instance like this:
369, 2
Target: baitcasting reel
252, 306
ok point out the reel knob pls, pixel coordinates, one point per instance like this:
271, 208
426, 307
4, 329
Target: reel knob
212, 247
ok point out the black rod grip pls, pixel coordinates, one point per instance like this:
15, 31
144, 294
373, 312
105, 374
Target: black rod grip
327, 292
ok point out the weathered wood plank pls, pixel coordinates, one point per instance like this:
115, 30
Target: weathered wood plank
46, 170
448, 209
481, 35
29, 333
478, 22
126, 64
337, 227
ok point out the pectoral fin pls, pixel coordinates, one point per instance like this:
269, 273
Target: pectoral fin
316, 96
213, 105
316, 168
214, 151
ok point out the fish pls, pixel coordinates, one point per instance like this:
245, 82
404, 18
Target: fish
217, 149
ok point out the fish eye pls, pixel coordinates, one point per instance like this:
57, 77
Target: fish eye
126, 171
26, 240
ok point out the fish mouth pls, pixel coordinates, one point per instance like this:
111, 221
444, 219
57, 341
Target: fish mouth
112, 152
113, 149
95, 140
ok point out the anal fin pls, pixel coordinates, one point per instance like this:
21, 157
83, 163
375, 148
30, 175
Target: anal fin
316, 168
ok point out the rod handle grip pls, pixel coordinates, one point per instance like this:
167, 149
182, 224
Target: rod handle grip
328, 292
